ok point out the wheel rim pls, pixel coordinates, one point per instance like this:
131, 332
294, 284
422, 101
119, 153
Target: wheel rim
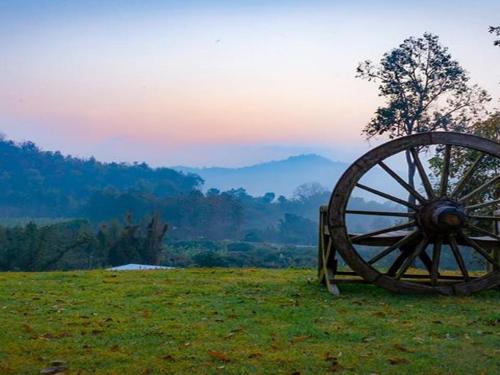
439, 216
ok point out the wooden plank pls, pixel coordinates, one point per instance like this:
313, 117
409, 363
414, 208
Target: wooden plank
388, 239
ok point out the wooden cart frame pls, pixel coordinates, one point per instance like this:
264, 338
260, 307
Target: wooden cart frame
446, 215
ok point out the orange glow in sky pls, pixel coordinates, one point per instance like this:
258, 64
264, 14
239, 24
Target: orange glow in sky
191, 83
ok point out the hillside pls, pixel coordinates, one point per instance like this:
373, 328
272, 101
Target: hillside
43, 183
282, 177
237, 321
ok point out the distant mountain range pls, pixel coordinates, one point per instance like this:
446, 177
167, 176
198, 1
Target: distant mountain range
281, 177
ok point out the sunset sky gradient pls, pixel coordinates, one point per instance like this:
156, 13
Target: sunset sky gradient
214, 83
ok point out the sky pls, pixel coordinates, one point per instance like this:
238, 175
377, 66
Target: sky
204, 83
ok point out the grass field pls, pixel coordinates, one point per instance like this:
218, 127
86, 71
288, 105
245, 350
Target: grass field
237, 321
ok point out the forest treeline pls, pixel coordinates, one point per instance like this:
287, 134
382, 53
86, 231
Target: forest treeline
36, 183
42, 184
97, 202
76, 244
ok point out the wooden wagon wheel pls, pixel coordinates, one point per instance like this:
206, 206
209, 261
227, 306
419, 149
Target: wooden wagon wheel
435, 218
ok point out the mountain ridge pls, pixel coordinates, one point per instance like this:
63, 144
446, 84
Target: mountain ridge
279, 176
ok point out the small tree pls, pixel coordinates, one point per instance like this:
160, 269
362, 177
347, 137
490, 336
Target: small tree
425, 90
495, 30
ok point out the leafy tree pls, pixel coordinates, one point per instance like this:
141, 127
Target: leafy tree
153, 242
298, 230
425, 89
495, 30
462, 159
305, 191
138, 243
209, 259
268, 197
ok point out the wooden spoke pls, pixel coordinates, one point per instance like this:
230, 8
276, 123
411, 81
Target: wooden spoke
382, 231
466, 177
470, 242
380, 213
481, 205
402, 182
458, 257
398, 262
405, 240
387, 196
409, 260
423, 175
426, 261
480, 189
436, 256
485, 232
445, 172
485, 217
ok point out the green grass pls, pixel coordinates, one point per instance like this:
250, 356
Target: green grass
237, 321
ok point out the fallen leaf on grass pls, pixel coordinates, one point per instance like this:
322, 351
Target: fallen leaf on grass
27, 328
53, 370
56, 367
329, 357
57, 362
401, 348
420, 340
398, 361
334, 362
218, 355
336, 366
49, 336
299, 339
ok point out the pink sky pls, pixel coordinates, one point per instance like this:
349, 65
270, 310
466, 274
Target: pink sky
227, 84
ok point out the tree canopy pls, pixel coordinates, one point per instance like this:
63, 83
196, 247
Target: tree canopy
424, 88
495, 30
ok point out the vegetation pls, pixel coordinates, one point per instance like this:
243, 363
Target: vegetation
425, 90
463, 159
495, 30
237, 321
48, 187
77, 245
41, 183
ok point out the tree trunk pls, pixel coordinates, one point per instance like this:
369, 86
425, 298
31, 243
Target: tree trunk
156, 231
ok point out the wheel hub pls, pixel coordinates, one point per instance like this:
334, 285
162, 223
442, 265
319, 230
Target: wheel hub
442, 216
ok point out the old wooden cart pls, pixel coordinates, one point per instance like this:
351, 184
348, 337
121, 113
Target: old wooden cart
453, 217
